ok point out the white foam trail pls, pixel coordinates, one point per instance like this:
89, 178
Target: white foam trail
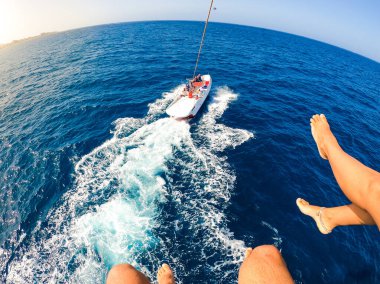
113, 213
124, 176
277, 240
221, 135
213, 180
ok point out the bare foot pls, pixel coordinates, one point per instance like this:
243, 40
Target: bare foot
248, 252
321, 132
323, 223
165, 275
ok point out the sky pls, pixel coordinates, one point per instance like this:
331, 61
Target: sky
350, 24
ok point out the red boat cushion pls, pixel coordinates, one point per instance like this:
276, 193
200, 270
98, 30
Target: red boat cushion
198, 84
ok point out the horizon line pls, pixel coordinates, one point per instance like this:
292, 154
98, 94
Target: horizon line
20, 40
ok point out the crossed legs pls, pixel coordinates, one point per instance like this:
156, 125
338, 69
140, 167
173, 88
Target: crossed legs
359, 183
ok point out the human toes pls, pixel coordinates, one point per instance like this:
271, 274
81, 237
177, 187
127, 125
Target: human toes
165, 275
302, 202
248, 252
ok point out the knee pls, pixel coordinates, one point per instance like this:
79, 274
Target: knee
374, 188
264, 265
121, 268
372, 194
268, 253
120, 271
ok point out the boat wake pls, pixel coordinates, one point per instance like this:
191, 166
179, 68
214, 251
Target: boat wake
156, 191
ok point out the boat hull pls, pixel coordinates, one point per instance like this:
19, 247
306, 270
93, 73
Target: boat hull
187, 107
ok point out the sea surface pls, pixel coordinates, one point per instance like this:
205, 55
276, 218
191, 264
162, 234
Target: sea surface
93, 172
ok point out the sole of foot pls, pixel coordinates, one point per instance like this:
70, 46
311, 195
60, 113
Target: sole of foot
319, 127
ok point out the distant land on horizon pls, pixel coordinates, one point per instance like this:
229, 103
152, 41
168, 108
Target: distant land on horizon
16, 41
3, 45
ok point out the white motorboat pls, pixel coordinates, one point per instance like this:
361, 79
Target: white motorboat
190, 99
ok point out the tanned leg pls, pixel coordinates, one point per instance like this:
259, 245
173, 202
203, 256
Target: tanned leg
329, 218
359, 183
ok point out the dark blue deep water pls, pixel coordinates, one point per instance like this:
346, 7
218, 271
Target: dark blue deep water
93, 173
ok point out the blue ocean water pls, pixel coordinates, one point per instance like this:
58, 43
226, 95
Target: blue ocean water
93, 173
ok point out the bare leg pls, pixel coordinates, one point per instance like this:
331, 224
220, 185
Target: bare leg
126, 274
264, 264
359, 183
329, 218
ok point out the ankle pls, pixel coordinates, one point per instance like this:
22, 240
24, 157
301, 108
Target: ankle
329, 144
328, 219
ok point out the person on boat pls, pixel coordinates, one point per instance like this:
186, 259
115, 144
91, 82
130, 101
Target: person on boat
264, 264
359, 183
198, 78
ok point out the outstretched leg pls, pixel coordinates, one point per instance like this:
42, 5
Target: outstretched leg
126, 274
264, 264
359, 183
329, 218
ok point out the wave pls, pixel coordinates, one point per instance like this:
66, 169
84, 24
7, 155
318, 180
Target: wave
117, 210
